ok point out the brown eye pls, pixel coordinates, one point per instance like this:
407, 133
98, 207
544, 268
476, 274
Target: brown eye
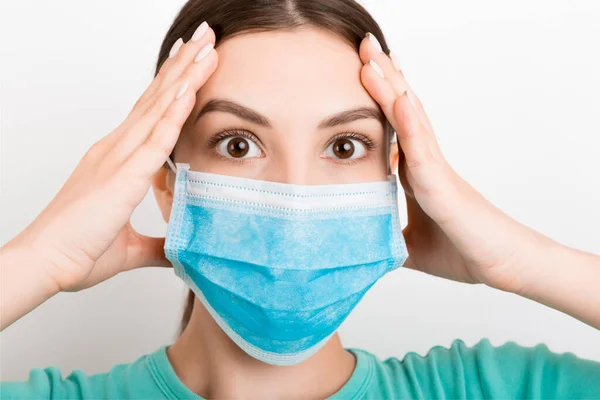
343, 148
238, 147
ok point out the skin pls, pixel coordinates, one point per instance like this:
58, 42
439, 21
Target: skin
84, 237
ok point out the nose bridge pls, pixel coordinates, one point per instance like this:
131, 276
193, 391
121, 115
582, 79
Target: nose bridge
294, 161
293, 170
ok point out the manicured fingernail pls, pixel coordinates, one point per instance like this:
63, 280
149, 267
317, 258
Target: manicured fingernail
202, 53
394, 58
175, 48
182, 89
200, 31
377, 68
375, 42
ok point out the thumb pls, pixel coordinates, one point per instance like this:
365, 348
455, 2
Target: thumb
145, 251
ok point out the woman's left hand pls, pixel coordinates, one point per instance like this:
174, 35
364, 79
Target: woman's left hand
452, 231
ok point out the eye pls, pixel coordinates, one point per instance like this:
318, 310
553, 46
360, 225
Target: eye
238, 147
345, 148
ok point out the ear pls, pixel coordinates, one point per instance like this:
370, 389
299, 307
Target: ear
394, 156
163, 185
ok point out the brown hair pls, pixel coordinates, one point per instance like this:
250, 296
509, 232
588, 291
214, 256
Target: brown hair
344, 18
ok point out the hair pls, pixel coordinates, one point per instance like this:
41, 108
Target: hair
346, 19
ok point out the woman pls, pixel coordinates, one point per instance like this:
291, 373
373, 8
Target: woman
296, 118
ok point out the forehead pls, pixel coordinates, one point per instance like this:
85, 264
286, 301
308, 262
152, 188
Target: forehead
305, 72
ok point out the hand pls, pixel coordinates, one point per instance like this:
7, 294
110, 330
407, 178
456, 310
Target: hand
452, 231
84, 235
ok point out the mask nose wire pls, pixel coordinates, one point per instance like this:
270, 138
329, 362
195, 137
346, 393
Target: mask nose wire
173, 167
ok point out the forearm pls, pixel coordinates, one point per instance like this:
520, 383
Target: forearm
565, 279
24, 285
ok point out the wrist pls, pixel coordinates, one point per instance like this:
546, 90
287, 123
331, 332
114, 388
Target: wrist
22, 256
24, 284
565, 279
537, 264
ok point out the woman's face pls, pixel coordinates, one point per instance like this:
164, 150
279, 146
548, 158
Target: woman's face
287, 106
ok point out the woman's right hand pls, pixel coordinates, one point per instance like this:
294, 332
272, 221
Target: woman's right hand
84, 235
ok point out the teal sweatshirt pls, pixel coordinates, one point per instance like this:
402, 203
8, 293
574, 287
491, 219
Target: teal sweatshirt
509, 371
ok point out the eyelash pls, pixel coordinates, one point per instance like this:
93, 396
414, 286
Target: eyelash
364, 139
235, 132
213, 141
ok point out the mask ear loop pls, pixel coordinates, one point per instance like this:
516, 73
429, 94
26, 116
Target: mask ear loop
389, 145
173, 167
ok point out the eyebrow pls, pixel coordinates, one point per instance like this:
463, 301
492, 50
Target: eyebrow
248, 114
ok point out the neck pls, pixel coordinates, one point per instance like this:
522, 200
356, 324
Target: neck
213, 366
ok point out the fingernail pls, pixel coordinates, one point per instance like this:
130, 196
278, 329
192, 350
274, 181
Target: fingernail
175, 48
375, 42
411, 97
182, 89
202, 53
200, 31
394, 58
377, 68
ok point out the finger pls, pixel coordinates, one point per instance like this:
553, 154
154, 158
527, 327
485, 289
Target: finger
196, 75
402, 175
180, 56
418, 146
421, 114
186, 55
158, 78
143, 103
154, 151
370, 50
379, 89
171, 69
411, 135
400, 113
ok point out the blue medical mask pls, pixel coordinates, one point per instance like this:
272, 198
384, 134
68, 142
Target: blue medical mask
279, 266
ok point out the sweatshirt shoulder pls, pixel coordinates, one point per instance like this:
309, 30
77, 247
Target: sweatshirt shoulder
483, 370
127, 380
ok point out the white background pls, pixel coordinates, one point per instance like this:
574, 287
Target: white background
512, 88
